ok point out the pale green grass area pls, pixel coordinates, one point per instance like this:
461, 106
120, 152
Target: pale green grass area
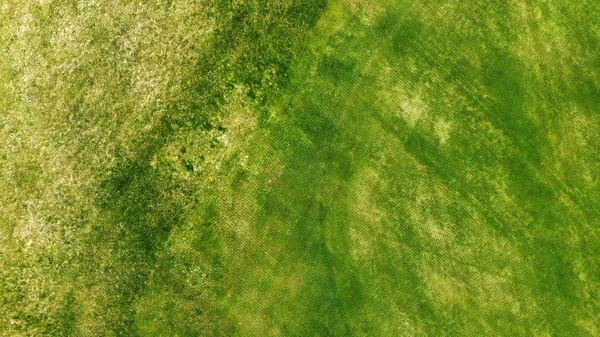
281, 168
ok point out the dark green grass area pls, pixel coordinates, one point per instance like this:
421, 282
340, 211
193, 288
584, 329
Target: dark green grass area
299, 168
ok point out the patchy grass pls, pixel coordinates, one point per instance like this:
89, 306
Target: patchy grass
261, 168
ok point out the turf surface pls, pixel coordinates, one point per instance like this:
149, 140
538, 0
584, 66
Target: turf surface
299, 168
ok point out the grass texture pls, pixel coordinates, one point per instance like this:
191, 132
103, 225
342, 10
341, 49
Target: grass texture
299, 168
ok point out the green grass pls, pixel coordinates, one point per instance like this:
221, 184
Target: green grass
286, 168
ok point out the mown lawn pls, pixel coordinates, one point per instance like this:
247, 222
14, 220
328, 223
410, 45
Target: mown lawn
299, 168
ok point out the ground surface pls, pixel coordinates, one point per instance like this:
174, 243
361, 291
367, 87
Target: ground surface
299, 168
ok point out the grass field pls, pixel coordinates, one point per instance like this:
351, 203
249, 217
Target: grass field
299, 168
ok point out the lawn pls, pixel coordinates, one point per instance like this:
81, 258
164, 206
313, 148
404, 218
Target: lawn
299, 168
